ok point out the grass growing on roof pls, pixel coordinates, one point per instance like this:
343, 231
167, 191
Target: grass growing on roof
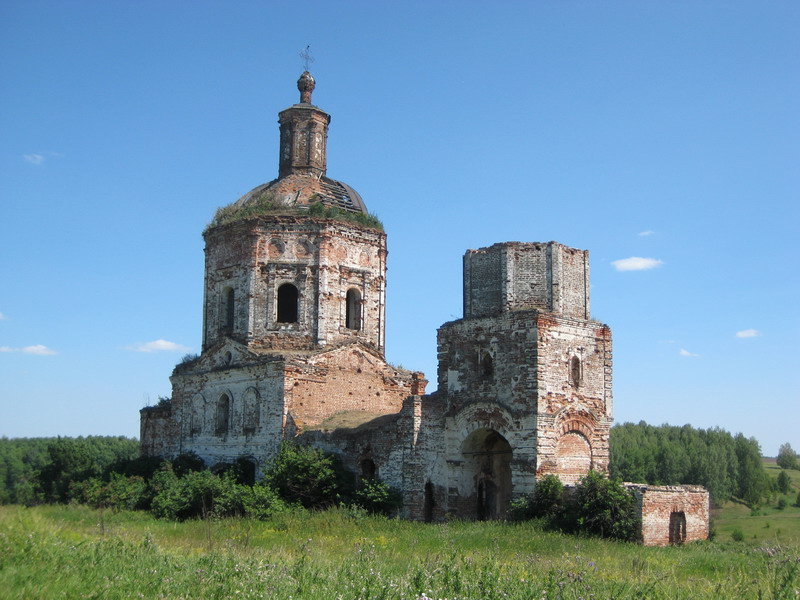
263, 204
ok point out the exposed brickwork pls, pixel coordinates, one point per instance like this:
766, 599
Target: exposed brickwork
672, 514
516, 275
323, 259
346, 379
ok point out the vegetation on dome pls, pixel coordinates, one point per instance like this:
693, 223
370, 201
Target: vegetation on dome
264, 204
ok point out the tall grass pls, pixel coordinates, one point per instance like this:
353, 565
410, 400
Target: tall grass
75, 552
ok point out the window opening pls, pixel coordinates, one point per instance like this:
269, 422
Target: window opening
430, 502
353, 310
575, 371
251, 411
487, 366
229, 312
367, 469
223, 415
287, 303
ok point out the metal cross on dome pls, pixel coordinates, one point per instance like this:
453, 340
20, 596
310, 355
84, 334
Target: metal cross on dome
307, 58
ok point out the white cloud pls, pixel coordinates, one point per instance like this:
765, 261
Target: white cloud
636, 263
687, 353
2, 317
158, 346
645, 233
34, 159
37, 349
748, 333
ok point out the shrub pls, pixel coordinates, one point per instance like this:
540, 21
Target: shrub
242, 471
547, 501
187, 463
308, 476
198, 494
262, 502
548, 497
781, 503
377, 497
737, 535
142, 466
120, 493
604, 507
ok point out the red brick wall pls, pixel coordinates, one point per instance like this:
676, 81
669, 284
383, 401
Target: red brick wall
658, 503
344, 379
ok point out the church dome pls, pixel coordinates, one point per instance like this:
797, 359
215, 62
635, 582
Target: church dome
302, 184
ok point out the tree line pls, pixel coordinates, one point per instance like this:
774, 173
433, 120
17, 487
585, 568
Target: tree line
729, 466
37, 470
108, 471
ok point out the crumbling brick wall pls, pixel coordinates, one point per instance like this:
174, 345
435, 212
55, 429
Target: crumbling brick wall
672, 514
350, 378
322, 258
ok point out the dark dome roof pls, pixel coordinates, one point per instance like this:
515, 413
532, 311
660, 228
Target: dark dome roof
295, 194
300, 189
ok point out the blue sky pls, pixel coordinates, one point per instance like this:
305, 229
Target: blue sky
665, 132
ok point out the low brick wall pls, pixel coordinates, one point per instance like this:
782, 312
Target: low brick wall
672, 514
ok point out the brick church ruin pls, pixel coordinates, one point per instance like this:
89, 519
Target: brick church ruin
293, 349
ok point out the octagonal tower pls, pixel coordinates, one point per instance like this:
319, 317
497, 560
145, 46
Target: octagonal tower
297, 263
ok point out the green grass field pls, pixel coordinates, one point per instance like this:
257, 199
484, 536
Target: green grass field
76, 552
770, 526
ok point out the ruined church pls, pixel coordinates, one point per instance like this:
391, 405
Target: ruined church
293, 344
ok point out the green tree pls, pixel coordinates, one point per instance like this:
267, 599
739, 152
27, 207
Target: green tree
784, 482
604, 507
753, 482
308, 476
787, 458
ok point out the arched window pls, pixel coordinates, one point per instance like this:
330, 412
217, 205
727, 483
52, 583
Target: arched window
251, 411
677, 527
287, 303
223, 417
367, 469
196, 407
487, 366
228, 306
575, 371
353, 311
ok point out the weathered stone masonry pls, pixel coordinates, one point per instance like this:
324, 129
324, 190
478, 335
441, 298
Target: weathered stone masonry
293, 348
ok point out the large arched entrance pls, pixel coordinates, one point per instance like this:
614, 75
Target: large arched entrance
487, 461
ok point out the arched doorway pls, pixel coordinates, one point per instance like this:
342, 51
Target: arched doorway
677, 527
487, 460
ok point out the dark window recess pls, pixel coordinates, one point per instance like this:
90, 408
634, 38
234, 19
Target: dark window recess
229, 309
429, 502
575, 371
677, 527
367, 469
487, 366
287, 303
223, 415
353, 311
